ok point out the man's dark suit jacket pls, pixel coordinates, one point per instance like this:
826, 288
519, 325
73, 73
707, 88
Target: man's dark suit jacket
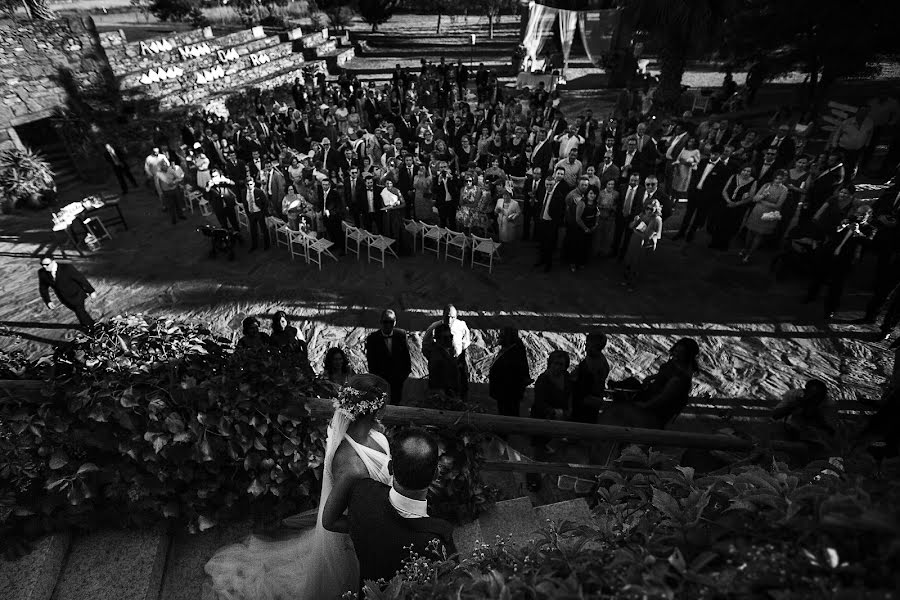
405, 182
70, 285
557, 209
382, 538
637, 205
350, 199
259, 196
393, 366
543, 156
362, 203
786, 150
668, 205
715, 181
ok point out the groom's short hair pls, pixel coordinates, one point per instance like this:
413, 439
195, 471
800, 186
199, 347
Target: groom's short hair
414, 454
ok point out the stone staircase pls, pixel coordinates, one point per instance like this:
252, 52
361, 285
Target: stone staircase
159, 565
190, 67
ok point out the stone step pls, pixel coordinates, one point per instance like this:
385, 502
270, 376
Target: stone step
233, 54
234, 75
184, 575
120, 564
338, 57
163, 49
238, 78
312, 39
467, 538
576, 510
515, 518
33, 576
323, 49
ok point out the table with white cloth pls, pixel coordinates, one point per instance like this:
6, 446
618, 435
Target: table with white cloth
531, 80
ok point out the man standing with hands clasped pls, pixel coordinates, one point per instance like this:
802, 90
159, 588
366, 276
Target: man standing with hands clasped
462, 339
70, 286
387, 355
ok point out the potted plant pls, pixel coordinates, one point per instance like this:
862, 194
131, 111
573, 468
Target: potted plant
25, 177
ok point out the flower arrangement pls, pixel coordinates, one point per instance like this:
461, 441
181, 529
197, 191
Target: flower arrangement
354, 403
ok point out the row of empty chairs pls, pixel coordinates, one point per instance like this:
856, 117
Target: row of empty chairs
373, 242
482, 250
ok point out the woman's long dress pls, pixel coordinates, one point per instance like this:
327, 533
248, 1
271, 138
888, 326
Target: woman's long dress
423, 202
773, 200
606, 205
316, 563
730, 218
507, 220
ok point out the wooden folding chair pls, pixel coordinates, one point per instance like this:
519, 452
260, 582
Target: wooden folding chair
382, 244
315, 248
417, 229
457, 241
298, 245
243, 219
283, 236
487, 247
356, 235
434, 233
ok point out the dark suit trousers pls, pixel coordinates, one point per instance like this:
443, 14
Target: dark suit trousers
227, 218
528, 219
887, 278
172, 202
122, 173
80, 312
621, 235
695, 214
396, 390
335, 233
257, 226
548, 235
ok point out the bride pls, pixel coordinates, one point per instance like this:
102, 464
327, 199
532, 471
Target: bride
315, 564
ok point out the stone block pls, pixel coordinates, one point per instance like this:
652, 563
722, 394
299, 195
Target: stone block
312, 39
184, 575
507, 519
120, 564
575, 510
294, 34
33, 577
467, 538
325, 48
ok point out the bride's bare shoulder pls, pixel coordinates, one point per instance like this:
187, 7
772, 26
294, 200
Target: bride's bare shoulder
347, 462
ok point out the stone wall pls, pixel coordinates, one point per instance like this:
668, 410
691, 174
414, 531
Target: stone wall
31, 57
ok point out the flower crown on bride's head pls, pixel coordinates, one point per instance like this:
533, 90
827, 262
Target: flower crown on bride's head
354, 403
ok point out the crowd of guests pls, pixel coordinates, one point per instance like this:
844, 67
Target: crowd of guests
475, 158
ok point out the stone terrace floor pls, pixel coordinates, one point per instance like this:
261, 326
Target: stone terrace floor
757, 339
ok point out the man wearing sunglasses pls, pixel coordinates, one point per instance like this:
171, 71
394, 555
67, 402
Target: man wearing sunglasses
387, 355
70, 287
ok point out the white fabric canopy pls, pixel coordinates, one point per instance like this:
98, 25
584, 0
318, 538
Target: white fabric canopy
540, 23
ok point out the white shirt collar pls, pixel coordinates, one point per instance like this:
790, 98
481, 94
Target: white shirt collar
408, 508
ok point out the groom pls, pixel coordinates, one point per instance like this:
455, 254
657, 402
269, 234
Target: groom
384, 522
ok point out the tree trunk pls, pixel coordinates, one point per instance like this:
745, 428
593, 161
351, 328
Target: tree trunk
672, 64
439, 24
40, 10
491, 25
374, 27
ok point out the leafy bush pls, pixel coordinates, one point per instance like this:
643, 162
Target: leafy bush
171, 10
828, 530
153, 419
376, 12
25, 175
276, 21
198, 18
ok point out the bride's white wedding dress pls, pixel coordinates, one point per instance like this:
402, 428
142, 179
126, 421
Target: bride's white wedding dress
316, 564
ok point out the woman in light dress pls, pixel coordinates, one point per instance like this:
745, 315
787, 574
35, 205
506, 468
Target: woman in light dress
646, 231
507, 212
423, 206
765, 214
468, 196
316, 563
685, 163
202, 163
341, 115
607, 199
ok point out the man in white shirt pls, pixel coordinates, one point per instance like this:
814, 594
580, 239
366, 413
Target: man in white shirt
571, 166
168, 186
568, 141
151, 167
462, 339
851, 137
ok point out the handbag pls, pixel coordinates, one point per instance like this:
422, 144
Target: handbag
641, 227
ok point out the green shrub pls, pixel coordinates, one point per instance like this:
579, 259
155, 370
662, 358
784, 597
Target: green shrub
151, 420
171, 10
828, 530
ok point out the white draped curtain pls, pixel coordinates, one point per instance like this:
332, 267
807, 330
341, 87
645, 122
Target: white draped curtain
568, 21
540, 24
